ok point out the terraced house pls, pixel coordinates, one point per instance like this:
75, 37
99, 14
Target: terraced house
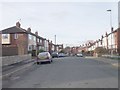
18, 41
109, 41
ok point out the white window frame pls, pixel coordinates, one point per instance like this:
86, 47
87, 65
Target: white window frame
4, 36
15, 36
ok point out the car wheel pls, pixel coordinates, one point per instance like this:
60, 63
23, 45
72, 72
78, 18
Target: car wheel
38, 63
49, 62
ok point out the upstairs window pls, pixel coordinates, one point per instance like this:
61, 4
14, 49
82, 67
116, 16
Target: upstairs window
4, 36
16, 36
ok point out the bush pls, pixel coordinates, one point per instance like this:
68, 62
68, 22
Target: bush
62, 51
33, 52
39, 51
100, 51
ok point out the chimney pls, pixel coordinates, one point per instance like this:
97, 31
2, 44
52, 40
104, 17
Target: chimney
36, 33
102, 37
29, 29
48, 40
18, 24
111, 29
106, 34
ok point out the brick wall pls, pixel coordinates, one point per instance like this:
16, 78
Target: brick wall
7, 60
118, 40
22, 43
9, 50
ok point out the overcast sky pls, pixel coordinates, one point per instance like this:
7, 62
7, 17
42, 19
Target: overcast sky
72, 22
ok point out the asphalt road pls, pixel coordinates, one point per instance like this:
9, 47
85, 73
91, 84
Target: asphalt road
67, 72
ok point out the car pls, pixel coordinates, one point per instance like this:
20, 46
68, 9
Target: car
79, 55
55, 54
61, 55
44, 57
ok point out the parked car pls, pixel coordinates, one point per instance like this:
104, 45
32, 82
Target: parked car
55, 54
44, 57
61, 55
79, 55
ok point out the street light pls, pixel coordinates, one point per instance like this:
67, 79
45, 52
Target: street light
55, 39
55, 44
111, 27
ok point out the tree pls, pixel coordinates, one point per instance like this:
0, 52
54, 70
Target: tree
100, 51
39, 51
62, 51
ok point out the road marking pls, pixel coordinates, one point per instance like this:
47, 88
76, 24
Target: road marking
17, 70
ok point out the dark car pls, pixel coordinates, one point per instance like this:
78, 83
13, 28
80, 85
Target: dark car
54, 54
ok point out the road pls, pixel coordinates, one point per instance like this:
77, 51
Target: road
67, 72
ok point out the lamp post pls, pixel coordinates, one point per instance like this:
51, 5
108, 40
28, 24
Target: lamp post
111, 27
55, 39
55, 44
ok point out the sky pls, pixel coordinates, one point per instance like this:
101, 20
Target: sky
73, 23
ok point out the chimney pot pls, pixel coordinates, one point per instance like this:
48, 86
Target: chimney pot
29, 29
112, 29
106, 34
18, 24
36, 33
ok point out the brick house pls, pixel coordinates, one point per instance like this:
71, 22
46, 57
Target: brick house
14, 41
18, 41
58, 47
110, 41
40, 42
118, 40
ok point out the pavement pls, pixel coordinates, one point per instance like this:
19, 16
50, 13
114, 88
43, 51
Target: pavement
16, 67
67, 72
113, 62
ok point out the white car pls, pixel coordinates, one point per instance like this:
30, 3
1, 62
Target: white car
79, 55
44, 57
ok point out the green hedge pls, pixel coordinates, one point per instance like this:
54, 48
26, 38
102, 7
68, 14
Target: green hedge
33, 52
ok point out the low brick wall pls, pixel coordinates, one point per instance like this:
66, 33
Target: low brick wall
7, 60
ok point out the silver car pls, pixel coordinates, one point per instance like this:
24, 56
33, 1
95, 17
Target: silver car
44, 57
79, 55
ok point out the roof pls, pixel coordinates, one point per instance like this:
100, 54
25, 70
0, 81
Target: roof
31, 33
40, 37
13, 29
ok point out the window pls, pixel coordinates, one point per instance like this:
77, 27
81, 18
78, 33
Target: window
5, 36
34, 38
29, 47
30, 36
16, 36
38, 40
